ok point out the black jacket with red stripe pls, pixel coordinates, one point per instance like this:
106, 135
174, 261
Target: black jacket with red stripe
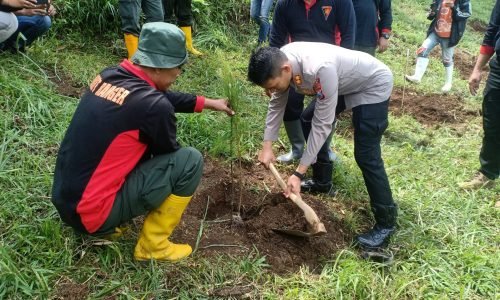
491, 41
121, 120
319, 21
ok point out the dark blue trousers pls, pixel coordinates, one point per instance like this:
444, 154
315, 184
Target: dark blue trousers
369, 121
490, 151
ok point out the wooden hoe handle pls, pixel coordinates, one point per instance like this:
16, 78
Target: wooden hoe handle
309, 213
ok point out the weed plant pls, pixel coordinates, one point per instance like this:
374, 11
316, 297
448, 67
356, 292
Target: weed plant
87, 16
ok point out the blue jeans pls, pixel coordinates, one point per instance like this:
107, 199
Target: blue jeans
259, 11
31, 27
432, 41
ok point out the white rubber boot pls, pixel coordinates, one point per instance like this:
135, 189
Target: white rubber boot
420, 68
449, 79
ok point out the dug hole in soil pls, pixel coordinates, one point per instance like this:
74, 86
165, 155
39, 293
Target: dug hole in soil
261, 212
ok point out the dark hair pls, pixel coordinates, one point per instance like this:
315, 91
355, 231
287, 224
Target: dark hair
265, 63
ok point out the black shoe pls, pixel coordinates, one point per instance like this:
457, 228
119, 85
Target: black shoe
312, 186
321, 182
378, 237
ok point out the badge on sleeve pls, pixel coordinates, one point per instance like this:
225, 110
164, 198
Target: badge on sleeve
298, 80
326, 11
318, 90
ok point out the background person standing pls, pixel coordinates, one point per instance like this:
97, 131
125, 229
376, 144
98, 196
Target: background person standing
449, 18
259, 12
489, 157
130, 13
373, 25
179, 12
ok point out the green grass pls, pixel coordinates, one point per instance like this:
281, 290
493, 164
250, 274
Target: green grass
446, 246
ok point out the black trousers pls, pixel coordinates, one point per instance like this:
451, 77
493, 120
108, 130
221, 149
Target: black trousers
306, 119
369, 121
178, 12
490, 151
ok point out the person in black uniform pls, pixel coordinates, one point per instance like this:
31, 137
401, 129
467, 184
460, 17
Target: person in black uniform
489, 157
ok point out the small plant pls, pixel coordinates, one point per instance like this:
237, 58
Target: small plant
232, 91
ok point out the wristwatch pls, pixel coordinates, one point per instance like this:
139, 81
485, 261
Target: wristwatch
385, 35
299, 175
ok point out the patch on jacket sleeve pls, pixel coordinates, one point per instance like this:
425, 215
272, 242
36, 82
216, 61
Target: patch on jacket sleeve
298, 80
318, 90
326, 11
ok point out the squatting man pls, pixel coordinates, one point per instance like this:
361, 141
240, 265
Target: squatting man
120, 157
327, 71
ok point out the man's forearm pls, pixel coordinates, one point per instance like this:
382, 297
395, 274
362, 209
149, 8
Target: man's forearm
481, 61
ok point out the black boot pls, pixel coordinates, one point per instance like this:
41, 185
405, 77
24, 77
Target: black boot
321, 181
379, 235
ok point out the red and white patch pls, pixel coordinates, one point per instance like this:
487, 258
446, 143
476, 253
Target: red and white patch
318, 90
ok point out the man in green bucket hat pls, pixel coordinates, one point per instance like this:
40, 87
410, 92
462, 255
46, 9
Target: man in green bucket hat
120, 157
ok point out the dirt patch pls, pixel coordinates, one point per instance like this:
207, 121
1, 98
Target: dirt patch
464, 63
67, 290
431, 109
64, 84
427, 109
261, 211
477, 25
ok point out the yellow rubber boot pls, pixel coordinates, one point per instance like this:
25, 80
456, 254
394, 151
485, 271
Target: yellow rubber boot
159, 224
189, 41
131, 43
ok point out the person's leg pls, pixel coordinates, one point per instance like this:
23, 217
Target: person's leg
255, 10
423, 58
163, 186
370, 122
130, 11
169, 11
153, 10
447, 58
369, 50
490, 151
321, 181
8, 25
265, 9
293, 127
185, 21
31, 27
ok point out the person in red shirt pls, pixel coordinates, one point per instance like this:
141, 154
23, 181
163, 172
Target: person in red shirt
120, 157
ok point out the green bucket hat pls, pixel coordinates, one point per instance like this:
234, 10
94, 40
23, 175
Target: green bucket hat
161, 45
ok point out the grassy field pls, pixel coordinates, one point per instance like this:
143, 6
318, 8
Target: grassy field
447, 243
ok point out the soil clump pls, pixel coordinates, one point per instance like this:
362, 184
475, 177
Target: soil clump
261, 211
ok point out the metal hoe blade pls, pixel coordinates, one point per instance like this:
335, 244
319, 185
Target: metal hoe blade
297, 232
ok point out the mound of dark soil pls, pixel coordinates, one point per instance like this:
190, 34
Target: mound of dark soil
477, 25
261, 211
430, 109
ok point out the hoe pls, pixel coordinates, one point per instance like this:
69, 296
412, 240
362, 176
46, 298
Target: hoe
317, 228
